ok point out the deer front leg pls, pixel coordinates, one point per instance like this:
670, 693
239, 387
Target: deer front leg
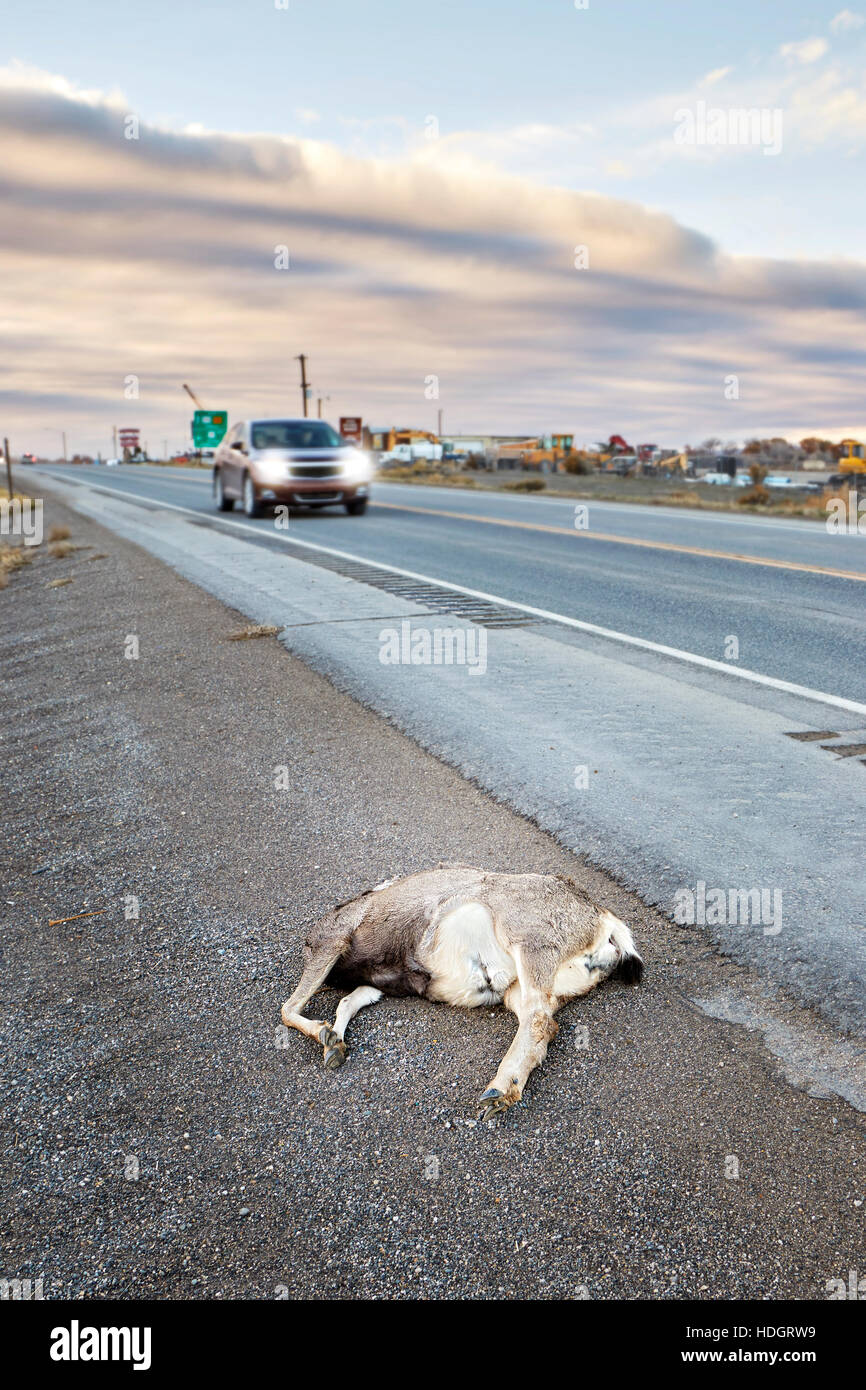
536, 1027
334, 1039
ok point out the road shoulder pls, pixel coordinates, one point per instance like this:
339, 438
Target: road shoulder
170, 1141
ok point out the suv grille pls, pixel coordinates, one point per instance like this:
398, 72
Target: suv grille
312, 470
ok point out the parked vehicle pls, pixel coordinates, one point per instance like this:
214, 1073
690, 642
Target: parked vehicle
624, 464
412, 453
304, 463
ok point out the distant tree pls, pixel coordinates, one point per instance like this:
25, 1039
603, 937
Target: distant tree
776, 451
825, 449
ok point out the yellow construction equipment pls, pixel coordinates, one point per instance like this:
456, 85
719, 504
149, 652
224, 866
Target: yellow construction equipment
854, 461
675, 461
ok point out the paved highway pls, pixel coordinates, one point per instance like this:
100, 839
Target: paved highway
609, 711
683, 579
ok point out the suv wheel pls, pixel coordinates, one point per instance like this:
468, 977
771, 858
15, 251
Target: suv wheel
357, 506
224, 504
252, 505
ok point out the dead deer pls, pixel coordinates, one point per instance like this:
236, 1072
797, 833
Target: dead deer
466, 937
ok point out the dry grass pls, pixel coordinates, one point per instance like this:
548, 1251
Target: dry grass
423, 473
756, 496
12, 559
15, 557
256, 630
647, 492
526, 485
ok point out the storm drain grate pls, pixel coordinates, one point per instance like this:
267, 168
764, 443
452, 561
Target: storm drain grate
473, 610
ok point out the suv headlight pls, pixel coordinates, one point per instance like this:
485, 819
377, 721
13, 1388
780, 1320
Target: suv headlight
357, 467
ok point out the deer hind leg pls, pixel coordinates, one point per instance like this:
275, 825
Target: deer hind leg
532, 999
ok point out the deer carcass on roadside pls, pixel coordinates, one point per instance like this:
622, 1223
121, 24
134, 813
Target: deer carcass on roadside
466, 937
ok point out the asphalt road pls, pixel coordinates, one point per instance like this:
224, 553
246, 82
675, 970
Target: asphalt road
668, 773
790, 622
165, 1139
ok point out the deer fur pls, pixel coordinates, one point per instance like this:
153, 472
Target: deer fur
466, 937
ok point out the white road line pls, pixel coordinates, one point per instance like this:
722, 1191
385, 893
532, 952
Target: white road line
755, 677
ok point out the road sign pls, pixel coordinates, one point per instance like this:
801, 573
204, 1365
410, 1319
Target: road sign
128, 438
350, 427
208, 427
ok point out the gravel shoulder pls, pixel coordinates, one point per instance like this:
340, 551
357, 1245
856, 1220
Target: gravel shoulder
163, 1136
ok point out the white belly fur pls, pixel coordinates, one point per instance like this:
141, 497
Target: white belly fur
467, 964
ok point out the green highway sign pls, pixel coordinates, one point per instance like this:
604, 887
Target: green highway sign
208, 427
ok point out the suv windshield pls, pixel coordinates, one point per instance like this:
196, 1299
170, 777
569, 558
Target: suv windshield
294, 434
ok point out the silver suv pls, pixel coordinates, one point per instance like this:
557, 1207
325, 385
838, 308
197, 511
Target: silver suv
304, 463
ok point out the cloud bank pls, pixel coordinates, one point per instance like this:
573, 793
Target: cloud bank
132, 251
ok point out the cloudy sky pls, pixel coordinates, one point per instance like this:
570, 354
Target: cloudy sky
547, 209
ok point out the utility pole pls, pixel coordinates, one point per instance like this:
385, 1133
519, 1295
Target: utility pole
8, 467
63, 432
303, 361
321, 399
114, 439
440, 422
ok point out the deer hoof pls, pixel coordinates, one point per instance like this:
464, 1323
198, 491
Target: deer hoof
327, 1036
335, 1056
492, 1103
